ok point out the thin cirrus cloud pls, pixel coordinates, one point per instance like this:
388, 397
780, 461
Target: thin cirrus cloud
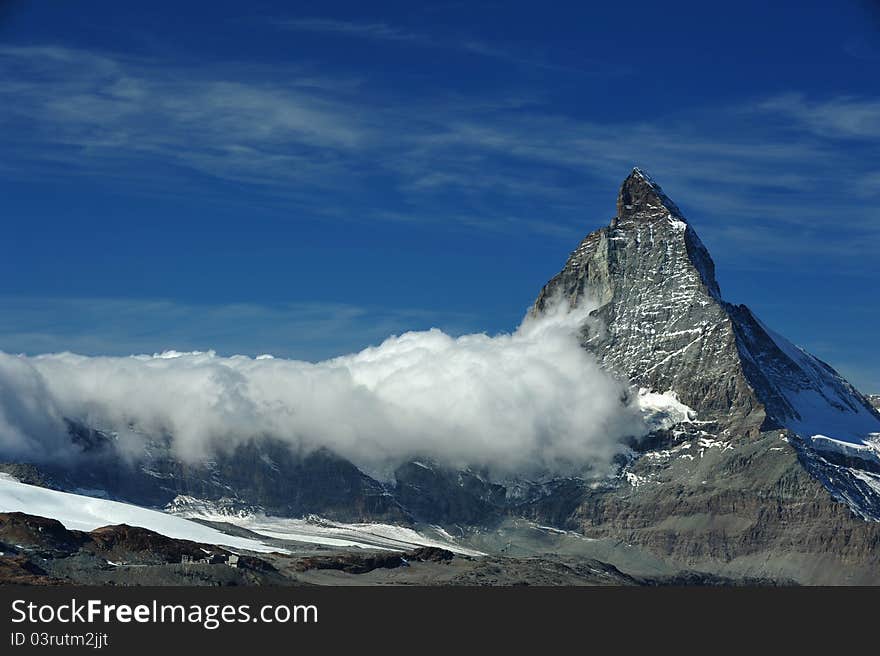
108, 108
507, 162
387, 33
843, 117
380, 31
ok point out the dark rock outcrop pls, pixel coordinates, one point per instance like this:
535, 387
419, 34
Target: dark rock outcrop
361, 563
41, 534
441, 495
29, 474
19, 570
41, 551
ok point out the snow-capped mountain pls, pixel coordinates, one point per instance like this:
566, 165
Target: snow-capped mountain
739, 480
762, 460
664, 326
85, 513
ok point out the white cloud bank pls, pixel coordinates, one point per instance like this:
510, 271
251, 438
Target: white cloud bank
524, 402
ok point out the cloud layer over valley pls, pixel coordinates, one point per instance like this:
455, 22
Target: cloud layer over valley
525, 402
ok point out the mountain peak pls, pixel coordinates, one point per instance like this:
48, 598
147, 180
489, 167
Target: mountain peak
644, 175
663, 325
640, 195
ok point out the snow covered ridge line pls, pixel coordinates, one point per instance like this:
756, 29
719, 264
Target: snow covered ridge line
823, 404
869, 451
81, 513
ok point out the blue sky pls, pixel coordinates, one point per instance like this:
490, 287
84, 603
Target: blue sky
306, 178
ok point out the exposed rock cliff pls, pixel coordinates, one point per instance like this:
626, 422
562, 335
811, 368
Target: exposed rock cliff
777, 472
664, 325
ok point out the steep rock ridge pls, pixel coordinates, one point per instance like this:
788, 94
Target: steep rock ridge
801, 391
662, 323
778, 472
664, 326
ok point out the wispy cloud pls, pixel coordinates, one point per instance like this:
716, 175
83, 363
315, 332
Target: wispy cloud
97, 109
378, 31
843, 117
501, 162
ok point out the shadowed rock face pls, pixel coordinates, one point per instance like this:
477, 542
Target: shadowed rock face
41, 551
441, 495
40, 533
266, 473
263, 475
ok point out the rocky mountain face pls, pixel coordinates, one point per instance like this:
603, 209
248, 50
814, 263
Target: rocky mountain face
258, 476
775, 473
664, 325
780, 464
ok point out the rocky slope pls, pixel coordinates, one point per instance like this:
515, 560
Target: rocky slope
40, 551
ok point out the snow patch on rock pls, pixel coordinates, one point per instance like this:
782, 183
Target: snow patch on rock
662, 411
